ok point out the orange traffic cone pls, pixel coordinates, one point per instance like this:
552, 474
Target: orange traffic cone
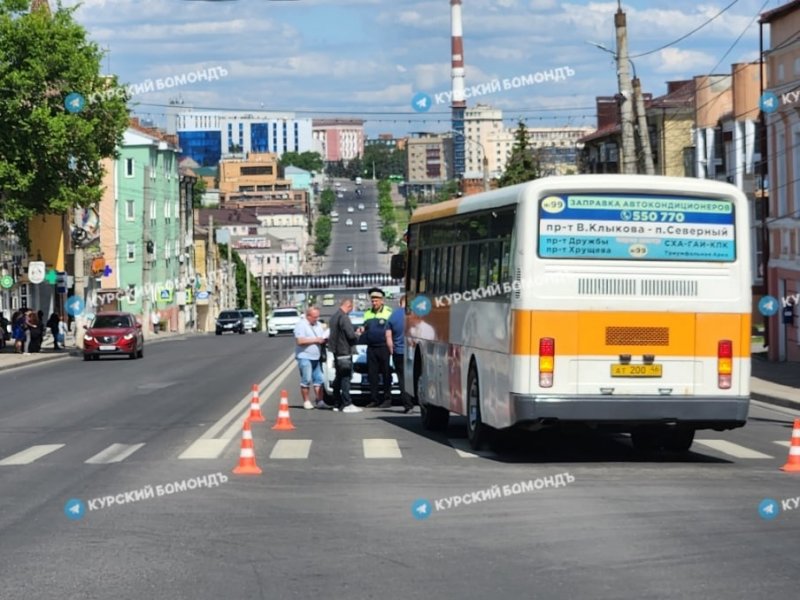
793, 463
247, 457
255, 407
284, 422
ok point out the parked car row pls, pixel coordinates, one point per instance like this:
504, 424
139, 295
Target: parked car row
236, 321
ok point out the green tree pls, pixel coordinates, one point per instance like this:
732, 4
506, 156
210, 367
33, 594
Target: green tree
50, 158
389, 235
448, 191
327, 199
241, 283
323, 235
523, 165
310, 161
198, 190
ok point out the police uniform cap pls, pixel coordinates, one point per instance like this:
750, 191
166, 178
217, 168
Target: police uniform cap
376, 293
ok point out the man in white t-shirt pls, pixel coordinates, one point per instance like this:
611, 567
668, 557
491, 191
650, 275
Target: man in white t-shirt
309, 335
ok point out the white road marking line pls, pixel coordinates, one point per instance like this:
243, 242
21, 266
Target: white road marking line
464, 450
31, 454
782, 443
208, 446
381, 448
291, 449
732, 449
113, 454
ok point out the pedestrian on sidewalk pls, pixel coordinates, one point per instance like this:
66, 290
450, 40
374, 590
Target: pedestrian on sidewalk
155, 320
18, 331
3, 330
52, 325
63, 328
310, 336
36, 329
342, 339
397, 324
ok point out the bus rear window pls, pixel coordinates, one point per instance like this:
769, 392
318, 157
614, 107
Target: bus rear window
636, 227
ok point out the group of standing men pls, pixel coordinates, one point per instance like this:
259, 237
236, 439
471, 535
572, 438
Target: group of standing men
383, 335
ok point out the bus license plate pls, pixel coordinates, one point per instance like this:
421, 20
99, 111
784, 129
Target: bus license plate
636, 370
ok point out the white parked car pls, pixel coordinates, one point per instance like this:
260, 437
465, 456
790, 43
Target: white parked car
345, 271
363, 226
348, 222
360, 207
350, 209
359, 383
282, 320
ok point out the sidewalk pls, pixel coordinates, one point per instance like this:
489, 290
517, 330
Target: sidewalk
776, 383
10, 360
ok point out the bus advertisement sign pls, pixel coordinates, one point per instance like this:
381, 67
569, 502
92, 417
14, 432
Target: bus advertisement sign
636, 226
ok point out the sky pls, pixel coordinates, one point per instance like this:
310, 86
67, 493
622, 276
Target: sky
369, 58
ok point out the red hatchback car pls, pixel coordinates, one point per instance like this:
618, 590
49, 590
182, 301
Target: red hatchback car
113, 333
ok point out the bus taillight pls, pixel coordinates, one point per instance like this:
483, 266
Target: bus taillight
724, 364
547, 353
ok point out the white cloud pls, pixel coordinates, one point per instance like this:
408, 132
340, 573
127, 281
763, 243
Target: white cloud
675, 60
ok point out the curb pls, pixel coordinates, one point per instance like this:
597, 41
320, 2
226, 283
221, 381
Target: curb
782, 402
75, 352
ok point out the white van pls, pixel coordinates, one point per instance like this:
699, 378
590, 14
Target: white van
363, 225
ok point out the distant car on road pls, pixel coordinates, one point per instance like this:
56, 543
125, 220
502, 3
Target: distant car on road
363, 226
113, 333
282, 320
350, 209
341, 195
230, 321
348, 222
249, 319
345, 271
360, 207
349, 248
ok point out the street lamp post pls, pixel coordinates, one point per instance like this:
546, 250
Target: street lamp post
485, 158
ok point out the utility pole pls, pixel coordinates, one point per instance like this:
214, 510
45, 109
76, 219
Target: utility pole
485, 173
182, 258
231, 283
644, 132
247, 277
628, 154
78, 276
210, 271
146, 245
263, 298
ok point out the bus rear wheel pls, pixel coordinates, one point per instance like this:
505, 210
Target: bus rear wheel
434, 418
678, 440
478, 433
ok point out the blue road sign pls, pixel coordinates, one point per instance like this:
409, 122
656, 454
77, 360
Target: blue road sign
421, 102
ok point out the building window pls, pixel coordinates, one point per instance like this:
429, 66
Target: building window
797, 66
131, 293
153, 214
166, 211
131, 251
130, 210
781, 183
780, 72
128, 167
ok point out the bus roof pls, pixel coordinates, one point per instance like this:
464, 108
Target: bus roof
573, 183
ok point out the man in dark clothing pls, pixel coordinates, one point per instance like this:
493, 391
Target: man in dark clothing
397, 326
378, 338
341, 341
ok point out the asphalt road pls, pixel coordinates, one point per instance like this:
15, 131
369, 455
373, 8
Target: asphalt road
369, 253
331, 515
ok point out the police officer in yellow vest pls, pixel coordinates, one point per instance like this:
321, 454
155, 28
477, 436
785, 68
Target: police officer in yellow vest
378, 338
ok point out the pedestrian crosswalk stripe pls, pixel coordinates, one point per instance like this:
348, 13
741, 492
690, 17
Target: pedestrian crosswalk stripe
204, 448
732, 449
782, 443
113, 454
464, 450
381, 448
291, 449
29, 455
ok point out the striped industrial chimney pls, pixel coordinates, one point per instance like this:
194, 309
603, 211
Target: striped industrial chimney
459, 104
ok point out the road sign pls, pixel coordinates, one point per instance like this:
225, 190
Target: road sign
202, 295
36, 271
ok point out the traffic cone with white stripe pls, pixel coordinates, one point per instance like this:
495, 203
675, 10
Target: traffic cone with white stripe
255, 407
793, 463
284, 422
247, 456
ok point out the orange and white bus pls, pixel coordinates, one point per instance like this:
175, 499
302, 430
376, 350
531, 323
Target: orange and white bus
615, 301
